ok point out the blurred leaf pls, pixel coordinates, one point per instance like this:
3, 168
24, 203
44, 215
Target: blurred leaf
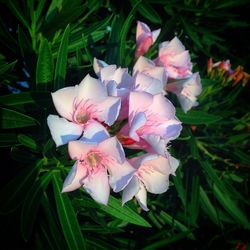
14, 119
208, 207
14, 193
15, 100
243, 157
175, 224
231, 207
67, 216
147, 11
7, 139
45, 65
61, 62
53, 230
168, 241
27, 141
194, 117
32, 203
7, 67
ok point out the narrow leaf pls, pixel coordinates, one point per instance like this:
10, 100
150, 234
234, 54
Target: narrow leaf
61, 63
14, 119
32, 203
67, 216
45, 65
27, 141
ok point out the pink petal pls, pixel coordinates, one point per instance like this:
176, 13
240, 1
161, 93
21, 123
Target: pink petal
78, 149
75, 178
120, 175
91, 88
141, 197
163, 107
138, 121
108, 109
130, 190
112, 148
97, 185
139, 102
63, 100
142, 64
144, 82
141, 29
175, 46
63, 131
94, 133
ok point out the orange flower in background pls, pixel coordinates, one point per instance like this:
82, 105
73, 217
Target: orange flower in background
239, 75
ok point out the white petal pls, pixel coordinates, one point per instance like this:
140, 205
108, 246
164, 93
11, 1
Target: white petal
157, 143
142, 64
94, 133
63, 131
98, 65
78, 149
63, 100
130, 190
120, 175
97, 185
138, 121
141, 197
91, 88
155, 34
75, 178
109, 109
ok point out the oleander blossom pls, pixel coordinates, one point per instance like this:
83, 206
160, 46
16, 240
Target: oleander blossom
144, 38
96, 155
77, 105
152, 175
186, 91
151, 123
175, 59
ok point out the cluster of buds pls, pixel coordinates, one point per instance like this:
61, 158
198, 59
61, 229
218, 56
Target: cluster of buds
223, 72
101, 117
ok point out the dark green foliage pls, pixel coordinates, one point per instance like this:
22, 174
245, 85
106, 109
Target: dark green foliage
54, 42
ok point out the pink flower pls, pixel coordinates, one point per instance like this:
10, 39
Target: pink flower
187, 91
96, 154
79, 104
175, 59
152, 122
148, 77
152, 175
144, 38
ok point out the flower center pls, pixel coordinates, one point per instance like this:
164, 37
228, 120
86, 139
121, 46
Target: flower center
93, 159
82, 117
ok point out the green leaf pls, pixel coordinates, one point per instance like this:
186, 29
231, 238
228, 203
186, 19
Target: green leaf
14, 119
15, 100
208, 207
147, 11
61, 63
125, 213
45, 65
231, 207
13, 194
7, 67
27, 141
32, 203
175, 223
53, 229
67, 216
194, 117
124, 31
168, 241
7, 139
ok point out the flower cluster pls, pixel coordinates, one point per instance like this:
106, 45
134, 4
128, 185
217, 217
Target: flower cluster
101, 117
223, 71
